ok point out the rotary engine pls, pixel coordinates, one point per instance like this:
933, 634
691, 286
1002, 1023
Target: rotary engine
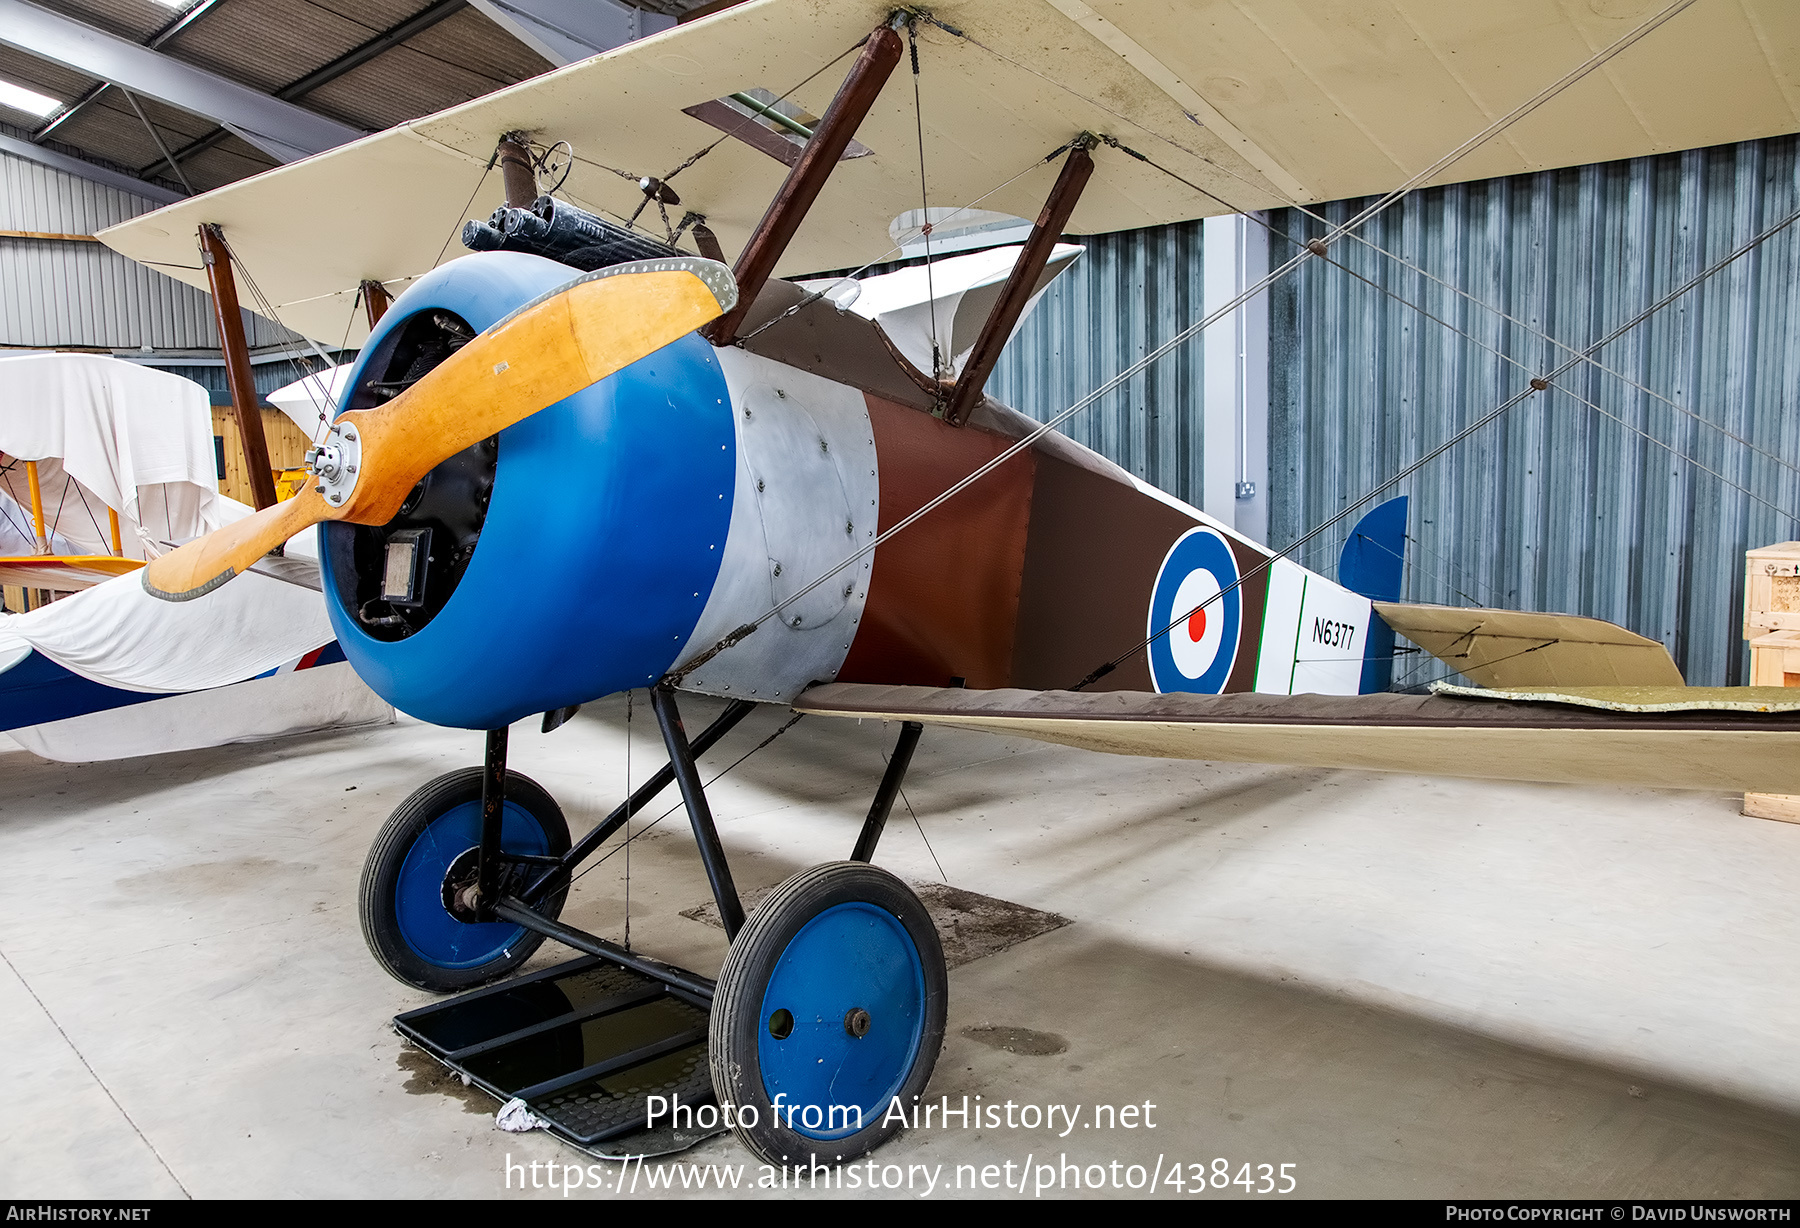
600, 542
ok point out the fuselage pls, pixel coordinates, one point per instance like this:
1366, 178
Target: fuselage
627, 531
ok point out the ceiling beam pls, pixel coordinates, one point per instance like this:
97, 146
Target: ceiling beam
279, 128
564, 31
181, 22
357, 56
87, 170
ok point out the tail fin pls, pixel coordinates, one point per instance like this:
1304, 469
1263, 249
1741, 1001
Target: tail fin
1373, 563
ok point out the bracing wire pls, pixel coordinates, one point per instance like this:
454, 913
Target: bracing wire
897, 249
694, 157
1501, 313
629, 696
462, 214
1316, 246
937, 355
644, 830
267, 308
1537, 384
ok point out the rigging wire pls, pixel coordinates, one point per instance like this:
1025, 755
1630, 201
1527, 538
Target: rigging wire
268, 308
6, 472
937, 356
629, 696
1470, 577
1501, 313
1315, 246
56, 519
462, 215
1537, 384
694, 157
1346, 230
907, 802
328, 364
99, 534
1389, 550
1577, 397
814, 296
791, 722
1508, 657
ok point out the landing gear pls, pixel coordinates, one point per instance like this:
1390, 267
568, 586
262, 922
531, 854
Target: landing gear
830, 1007
416, 898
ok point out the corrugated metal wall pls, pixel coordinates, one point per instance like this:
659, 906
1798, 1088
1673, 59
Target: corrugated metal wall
1127, 294
269, 375
84, 295
1555, 507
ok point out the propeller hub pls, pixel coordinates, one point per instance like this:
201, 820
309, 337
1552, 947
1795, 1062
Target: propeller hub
335, 462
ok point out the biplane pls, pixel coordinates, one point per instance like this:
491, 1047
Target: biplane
590, 456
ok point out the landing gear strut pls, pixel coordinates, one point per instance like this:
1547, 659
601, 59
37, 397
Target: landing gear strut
830, 1004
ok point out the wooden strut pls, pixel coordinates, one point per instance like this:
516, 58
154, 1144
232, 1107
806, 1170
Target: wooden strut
376, 301
807, 177
112, 518
37, 507
997, 329
238, 375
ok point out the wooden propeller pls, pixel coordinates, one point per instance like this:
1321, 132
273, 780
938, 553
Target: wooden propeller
549, 349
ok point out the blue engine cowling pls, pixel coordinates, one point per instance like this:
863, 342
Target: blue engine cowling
602, 537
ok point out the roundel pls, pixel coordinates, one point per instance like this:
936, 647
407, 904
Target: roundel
1200, 645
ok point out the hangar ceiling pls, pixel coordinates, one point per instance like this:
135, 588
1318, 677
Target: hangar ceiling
188, 95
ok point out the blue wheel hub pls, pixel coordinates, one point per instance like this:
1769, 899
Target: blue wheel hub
842, 1019
427, 926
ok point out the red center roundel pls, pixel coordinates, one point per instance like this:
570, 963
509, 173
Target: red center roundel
1197, 625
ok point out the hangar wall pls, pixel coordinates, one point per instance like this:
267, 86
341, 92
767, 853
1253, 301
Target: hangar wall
1556, 507
73, 294
1129, 292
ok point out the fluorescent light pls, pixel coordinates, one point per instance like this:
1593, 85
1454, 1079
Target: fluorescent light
30, 101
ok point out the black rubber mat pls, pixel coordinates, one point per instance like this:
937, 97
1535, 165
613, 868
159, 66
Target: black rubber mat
584, 1044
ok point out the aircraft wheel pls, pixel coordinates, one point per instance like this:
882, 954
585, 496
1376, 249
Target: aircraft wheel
426, 849
830, 1007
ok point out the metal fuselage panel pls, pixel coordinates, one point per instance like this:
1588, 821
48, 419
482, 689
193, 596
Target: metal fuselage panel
806, 499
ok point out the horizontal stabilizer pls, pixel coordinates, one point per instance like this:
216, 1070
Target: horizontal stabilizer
1722, 747
1517, 648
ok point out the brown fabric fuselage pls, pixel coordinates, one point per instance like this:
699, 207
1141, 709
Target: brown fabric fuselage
1039, 572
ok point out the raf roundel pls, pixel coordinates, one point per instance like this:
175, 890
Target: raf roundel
1200, 645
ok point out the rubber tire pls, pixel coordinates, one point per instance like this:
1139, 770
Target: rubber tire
735, 1029
376, 903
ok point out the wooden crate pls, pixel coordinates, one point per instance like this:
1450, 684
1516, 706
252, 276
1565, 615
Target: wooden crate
1772, 589
1784, 807
1775, 659
1772, 625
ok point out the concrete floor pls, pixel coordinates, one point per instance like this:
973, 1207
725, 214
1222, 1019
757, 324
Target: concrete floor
1400, 986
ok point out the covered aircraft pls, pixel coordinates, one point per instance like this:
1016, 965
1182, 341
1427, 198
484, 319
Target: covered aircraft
103, 462
586, 459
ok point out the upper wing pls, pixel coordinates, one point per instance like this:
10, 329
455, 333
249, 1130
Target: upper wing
1718, 747
1258, 102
